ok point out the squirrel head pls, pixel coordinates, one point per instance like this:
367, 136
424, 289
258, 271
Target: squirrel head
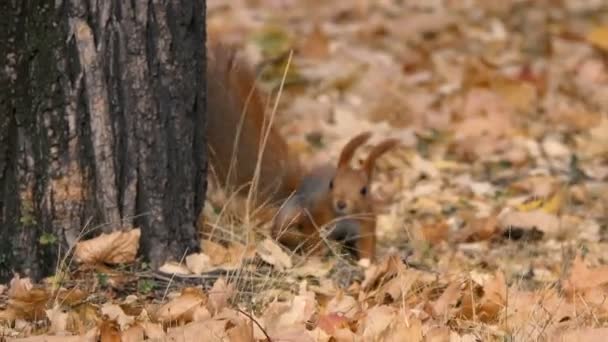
350, 188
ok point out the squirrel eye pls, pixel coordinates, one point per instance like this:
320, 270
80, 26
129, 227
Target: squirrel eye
364, 191
331, 184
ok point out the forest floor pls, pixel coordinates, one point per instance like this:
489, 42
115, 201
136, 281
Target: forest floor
493, 221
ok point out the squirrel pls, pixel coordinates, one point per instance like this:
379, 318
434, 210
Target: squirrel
239, 130
338, 197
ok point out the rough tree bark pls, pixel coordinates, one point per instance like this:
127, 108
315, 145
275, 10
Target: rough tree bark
101, 126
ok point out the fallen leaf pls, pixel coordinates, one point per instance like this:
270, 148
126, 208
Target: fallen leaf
438, 334
555, 148
398, 287
183, 307
297, 333
344, 305
133, 334
583, 278
109, 331
402, 330
279, 317
238, 252
220, 294
313, 267
58, 319
494, 298
387, 268
520, 95
445, 302
209, 330
344, 335
316, 45
172, 267
115, 248
581, 334
90, 336
242, 331
478, 229
153, 330
435, 232
197, 263
377, 320
25, 300
332, 322
217, 253
271, 253
116, 314
599, 37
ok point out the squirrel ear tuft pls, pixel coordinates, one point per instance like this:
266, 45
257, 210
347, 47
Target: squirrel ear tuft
349, 149
376, 152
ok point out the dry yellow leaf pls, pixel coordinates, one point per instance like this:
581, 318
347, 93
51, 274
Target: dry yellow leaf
115, 248
183, 307
599, 37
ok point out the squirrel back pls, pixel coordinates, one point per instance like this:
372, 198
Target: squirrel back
238, 130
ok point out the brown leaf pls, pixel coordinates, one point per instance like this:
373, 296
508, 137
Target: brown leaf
344, 335
377, 320
220, 294
133, 334
316, 45
172, 267
89, 336
218, 254
398, 287
438, 334
582, 334
344, 305
599, 37
115, 313
281, 316
183, 307
153, 330
583, 278
58, 319
197, 263
332, 322
115, 248
449, 297
26, 301
109, 331
270, 252
208, 330
478, 229
402, 330
242, 331
493, 299
387, 268
435, 232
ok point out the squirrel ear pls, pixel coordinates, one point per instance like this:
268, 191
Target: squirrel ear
349, 149
376, 152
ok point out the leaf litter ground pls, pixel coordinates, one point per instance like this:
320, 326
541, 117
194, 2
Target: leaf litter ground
493, 212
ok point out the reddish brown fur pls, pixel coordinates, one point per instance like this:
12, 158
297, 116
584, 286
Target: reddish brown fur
233, 100
347, 185
231, 93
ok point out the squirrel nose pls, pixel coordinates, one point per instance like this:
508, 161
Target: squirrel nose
341, 205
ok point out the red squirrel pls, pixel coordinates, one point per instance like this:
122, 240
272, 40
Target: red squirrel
334, 197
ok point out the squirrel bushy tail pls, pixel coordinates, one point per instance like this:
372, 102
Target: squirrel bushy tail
237, 124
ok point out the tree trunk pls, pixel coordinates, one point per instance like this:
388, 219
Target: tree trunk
101, 127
